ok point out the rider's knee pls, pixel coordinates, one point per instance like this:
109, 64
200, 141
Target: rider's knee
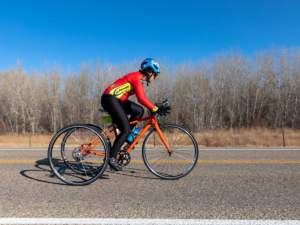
141, 113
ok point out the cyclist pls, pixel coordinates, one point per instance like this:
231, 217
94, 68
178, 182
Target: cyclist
115, 101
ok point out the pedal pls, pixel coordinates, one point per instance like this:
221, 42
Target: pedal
111, 169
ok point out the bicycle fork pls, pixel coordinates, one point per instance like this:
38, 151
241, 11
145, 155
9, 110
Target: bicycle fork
162, 137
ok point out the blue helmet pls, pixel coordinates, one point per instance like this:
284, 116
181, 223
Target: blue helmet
152, 64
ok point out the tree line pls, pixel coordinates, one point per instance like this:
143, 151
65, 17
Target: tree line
228, 90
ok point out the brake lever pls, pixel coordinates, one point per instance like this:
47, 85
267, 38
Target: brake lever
167, 102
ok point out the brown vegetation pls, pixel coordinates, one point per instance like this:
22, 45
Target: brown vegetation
253, 137
228, 91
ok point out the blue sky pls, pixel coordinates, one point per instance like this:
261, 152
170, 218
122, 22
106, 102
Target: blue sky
68, 32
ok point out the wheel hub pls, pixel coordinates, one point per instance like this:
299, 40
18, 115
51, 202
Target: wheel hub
77, 155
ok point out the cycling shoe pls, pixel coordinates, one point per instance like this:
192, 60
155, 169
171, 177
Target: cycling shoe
114, 165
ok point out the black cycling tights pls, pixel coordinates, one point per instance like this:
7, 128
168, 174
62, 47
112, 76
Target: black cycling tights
118, 111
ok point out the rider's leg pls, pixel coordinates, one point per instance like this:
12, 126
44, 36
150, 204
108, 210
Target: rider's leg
117, 112
134, 110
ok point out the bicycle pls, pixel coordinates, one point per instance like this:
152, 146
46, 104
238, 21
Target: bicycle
169, 151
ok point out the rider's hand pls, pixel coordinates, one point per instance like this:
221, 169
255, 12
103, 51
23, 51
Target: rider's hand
162, 110
167, 109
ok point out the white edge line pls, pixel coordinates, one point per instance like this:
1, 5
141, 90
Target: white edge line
143, 221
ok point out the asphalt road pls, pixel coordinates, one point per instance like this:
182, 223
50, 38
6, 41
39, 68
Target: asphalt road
211, 191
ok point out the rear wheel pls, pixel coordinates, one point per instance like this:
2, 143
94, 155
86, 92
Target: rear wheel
70, 157
176, 164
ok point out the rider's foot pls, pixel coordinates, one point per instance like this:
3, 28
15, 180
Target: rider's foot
113, 164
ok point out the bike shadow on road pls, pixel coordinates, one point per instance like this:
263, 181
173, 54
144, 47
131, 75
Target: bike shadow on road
135, 173
40, 164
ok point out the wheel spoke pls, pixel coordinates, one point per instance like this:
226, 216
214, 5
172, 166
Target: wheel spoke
71, 165
182, 159
75, 138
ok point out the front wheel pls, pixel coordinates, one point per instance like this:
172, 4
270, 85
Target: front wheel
176, 164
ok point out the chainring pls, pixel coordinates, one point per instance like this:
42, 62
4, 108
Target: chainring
123, 158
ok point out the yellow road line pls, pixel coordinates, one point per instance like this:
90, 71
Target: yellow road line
22, 161
248, 161
166, 161
220, 161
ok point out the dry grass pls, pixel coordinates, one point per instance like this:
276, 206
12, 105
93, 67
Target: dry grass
10, 140
255, 137
25, 141
258, 137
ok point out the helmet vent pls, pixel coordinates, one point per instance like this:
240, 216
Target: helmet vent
155, 66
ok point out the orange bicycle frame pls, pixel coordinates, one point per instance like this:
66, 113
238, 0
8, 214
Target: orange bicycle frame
153, 121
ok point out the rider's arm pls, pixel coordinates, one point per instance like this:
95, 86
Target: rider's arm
140, 94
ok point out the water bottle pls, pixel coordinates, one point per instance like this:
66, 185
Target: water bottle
133, 135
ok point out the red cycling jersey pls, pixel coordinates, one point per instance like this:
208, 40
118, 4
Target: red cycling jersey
130, 84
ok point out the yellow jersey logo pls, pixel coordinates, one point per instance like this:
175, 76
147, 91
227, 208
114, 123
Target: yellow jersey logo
118, 92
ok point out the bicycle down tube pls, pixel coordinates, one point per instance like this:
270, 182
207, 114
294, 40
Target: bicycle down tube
151, 122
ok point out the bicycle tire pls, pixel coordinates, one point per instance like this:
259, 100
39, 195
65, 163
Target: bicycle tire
63, 151
180, 162
89, 167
